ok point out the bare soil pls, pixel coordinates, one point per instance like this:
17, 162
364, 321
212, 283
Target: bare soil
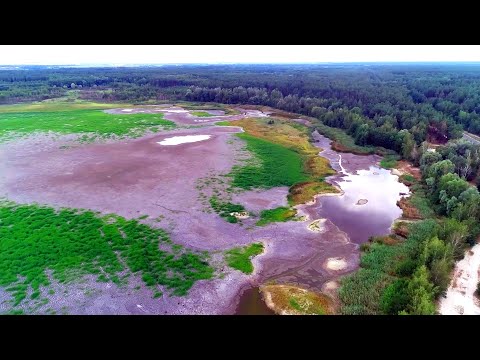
140, 177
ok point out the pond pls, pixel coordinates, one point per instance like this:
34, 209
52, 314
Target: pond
368, 205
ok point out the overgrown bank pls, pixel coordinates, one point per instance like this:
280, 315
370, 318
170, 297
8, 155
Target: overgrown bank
283, 156
405, 275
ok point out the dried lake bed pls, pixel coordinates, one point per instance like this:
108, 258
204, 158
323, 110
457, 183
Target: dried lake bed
138, 177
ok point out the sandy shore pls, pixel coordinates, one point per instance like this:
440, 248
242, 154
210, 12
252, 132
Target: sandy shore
460, 298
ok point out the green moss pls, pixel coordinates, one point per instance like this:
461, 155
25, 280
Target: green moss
240, 258
71, 243
280, 214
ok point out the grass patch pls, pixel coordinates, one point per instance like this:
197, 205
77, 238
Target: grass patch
297, 301
407, 179
207, 106
303, 192
421, 202
240, 258
224, 209
78, 121
276, 166
279, 214
72, 243
201, 114
57, 105
389, 161
343, 142
283, 156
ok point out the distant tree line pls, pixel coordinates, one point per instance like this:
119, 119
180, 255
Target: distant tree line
393, 106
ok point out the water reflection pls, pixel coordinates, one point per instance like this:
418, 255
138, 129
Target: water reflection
380, 188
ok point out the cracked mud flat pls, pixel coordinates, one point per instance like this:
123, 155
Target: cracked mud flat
140, 177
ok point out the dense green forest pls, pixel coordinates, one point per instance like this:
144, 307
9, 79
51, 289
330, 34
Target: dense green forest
394, 106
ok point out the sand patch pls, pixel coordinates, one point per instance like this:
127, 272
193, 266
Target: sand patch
335, 264
330, 286
127, 110
317, 225
460, 298
362, 202
176, 111
177, 140
240, 215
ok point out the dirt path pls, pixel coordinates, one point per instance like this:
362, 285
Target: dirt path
460, 298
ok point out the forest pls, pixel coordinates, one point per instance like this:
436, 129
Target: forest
394, 106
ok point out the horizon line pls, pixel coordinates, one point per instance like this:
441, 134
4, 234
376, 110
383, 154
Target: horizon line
254, 63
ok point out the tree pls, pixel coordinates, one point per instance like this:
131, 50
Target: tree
427, 159
455, 233
395, 297
407, 144
440, 274
421, 291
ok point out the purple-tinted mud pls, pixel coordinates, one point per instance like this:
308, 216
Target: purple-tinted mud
140, 177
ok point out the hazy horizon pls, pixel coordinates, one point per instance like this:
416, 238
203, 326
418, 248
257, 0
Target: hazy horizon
117, 55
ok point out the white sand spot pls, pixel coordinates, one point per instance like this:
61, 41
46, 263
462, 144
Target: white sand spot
176, 111
240, 215
336, 263
176, 140
127, 110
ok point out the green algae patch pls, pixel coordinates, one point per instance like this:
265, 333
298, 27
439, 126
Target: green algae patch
240, 258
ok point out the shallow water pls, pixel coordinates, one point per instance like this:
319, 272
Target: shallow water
380, 188
251, 303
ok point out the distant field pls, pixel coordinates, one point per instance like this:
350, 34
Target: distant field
55, 105
75, 118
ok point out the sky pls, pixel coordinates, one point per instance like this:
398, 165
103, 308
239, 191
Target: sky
167, 54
